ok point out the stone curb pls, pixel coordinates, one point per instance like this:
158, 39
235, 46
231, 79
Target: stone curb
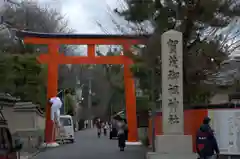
33, 155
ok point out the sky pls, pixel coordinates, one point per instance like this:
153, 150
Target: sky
83, 14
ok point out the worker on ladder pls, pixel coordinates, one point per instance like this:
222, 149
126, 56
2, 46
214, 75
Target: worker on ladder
55, 115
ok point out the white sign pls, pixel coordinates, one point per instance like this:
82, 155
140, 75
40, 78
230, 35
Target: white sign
172, 86
226, 124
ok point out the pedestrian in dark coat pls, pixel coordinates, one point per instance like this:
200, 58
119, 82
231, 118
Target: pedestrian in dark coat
206, 142
121, 128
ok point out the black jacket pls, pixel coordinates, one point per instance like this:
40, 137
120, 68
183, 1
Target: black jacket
206, 142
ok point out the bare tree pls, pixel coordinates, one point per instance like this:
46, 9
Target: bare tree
30, 16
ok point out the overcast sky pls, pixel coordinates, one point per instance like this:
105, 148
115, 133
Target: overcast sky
82, 14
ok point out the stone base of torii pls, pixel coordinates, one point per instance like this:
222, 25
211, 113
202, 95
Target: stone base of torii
173, 144
173, 147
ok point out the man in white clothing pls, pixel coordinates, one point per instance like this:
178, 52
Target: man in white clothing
55, 113
56, 106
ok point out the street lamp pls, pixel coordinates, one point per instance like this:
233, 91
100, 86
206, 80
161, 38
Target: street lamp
78, 90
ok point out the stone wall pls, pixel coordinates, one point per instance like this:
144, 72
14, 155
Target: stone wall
31, 125
32, 139
31, 112
23, 115
25, 120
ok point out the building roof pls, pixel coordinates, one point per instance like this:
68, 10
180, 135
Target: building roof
28, 106
8, 97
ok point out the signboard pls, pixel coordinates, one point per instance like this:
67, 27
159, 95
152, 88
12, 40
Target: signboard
226, 124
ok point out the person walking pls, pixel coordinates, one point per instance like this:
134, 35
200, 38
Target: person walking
105, 128
113, 129
121, 128
99, 127
86, 124
206, 143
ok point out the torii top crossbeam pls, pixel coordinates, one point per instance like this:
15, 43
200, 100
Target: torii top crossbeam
82, 39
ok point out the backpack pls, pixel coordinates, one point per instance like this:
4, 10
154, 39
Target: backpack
204, 144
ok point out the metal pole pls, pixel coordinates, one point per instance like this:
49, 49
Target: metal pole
60, 92
89, 101
111, 106
63, 100
152, 76
111, 112
26, 14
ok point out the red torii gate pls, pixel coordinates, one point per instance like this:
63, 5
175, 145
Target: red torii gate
53, 59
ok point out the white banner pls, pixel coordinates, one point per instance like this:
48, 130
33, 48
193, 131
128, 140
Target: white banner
226, 124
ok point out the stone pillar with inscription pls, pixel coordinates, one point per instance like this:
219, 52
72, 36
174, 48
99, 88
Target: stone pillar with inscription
173, 143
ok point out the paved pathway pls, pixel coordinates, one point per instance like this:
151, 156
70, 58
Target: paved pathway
89, 146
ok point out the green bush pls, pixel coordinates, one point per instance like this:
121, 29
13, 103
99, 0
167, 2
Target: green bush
22, 76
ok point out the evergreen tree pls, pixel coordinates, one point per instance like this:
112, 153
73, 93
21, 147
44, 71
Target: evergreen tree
208, 38
22, 77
